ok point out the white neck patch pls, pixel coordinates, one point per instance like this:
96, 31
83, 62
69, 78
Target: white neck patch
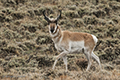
55, 28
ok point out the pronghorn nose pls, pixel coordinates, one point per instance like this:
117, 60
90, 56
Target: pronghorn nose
52, 30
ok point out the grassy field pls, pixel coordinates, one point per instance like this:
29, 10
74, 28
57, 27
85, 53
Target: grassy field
27, 51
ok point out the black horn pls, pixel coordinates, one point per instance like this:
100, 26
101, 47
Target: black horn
58, 17
45, 17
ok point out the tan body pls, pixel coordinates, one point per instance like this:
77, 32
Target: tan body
66, 39
71, 42
74, 42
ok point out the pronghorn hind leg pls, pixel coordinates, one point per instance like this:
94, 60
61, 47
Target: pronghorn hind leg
88, 56
96, 58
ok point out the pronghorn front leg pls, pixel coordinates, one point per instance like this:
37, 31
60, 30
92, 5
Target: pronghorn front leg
59, 56
65, 61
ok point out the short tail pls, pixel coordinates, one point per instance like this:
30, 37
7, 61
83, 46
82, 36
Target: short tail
95, 39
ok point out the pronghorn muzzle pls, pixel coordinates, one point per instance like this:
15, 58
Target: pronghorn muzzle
52, 29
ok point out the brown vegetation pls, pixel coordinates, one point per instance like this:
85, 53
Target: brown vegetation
27, 51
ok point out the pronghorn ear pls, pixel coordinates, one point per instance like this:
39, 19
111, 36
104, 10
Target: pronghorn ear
45, 17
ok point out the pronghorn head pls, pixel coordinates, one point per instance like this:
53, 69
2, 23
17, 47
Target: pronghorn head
52, 22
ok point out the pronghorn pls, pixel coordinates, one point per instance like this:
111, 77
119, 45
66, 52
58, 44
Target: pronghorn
71, 42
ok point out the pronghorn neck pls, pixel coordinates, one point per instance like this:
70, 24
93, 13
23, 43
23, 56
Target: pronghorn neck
56, 35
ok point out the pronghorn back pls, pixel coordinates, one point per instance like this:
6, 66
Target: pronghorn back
79, 36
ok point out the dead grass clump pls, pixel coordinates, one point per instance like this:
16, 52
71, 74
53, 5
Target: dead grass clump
90, 20
20, 1
44, 61
110, 48
32, 63
78, 23
10, 50
30, 45
117, 62
8, 34
3, 43
108, 67
72, 7
83, 11
90, 27
114, 5
115, 20
23, 47
8, 3
51, 50
118, 34
18, 15
95, 2
12, 3
45, 23
68, 24
7, 14
8, 18
12, 63
62, 22
107, 9
99, 13
15, 50
71, 14
112, 30
82, 63
72, 67
32, 28
109, 57
2, 17
117, 50
17, 22
101, 22
39, 11
31, 13
26, 34
43, 40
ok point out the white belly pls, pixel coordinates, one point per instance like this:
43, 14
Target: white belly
76, 46
73, 47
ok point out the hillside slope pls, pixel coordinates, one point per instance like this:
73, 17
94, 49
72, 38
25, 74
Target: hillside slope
27, 51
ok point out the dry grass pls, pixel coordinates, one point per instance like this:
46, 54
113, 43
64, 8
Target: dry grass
26, 49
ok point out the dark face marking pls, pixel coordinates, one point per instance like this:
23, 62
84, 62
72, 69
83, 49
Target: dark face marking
52, 27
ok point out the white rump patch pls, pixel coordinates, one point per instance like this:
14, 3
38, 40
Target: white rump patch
95, 39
